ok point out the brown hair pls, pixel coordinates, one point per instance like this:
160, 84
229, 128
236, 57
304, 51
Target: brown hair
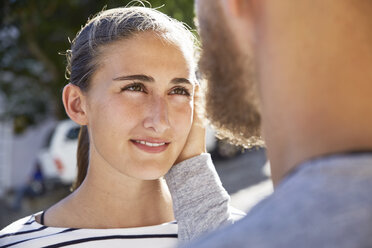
82, 156
105, 28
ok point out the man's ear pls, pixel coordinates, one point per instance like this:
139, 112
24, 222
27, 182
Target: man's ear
241, 17
239, 8
74, 102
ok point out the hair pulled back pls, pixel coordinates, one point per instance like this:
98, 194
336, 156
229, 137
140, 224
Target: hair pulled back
105, 28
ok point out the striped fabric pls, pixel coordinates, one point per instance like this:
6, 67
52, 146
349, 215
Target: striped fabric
27, 232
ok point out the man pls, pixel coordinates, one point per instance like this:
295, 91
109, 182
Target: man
300, 72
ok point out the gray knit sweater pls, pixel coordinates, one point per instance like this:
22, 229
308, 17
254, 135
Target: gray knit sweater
200, 202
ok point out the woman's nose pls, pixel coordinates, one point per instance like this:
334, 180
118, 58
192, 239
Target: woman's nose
157, 115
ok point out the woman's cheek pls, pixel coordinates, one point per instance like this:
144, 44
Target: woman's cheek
130, 106
182, 116
182, 102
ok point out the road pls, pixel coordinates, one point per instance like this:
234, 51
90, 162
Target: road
246, 178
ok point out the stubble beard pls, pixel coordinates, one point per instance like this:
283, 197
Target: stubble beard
231, 100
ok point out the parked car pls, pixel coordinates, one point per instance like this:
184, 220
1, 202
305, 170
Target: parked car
57, 158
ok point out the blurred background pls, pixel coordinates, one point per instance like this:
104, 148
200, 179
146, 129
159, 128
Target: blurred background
38, 143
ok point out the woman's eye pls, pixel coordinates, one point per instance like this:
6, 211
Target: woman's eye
134, 87
180, 91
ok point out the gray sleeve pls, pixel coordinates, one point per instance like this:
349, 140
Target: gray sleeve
200, 203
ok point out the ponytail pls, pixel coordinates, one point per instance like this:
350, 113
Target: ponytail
82, 157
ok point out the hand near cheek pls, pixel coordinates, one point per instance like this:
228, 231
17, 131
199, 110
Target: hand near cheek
195, 143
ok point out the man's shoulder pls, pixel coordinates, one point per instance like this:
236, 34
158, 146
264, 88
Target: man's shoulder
319, 205
293, 227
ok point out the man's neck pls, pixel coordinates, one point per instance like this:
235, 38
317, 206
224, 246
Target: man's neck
314, 65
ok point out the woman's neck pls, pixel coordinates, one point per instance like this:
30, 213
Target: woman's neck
105, 200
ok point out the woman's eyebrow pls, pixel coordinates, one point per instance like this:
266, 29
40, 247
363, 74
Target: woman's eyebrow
145, 78
140, 77
180, 81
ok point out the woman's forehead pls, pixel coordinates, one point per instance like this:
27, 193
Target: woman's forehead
146, 53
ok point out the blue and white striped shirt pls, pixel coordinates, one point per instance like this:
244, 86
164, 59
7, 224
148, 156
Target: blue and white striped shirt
26, 232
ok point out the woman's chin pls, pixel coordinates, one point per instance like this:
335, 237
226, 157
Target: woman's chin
152, 176
152, 173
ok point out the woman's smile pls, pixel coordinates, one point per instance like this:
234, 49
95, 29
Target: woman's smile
151, 147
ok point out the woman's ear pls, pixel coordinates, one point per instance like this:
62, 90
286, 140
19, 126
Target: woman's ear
74, 102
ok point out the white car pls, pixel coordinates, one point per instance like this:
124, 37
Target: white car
58, 158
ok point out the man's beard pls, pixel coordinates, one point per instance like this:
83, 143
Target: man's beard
231, 93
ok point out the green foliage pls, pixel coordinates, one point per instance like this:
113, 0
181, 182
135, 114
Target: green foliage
33, 34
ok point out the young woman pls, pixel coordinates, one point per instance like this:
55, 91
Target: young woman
132, 89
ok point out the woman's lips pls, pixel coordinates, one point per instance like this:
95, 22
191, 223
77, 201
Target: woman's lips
150, 147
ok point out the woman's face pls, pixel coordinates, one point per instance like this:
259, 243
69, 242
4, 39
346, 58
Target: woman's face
140, 106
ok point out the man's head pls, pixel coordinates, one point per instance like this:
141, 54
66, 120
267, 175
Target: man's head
314, 84
231, 97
